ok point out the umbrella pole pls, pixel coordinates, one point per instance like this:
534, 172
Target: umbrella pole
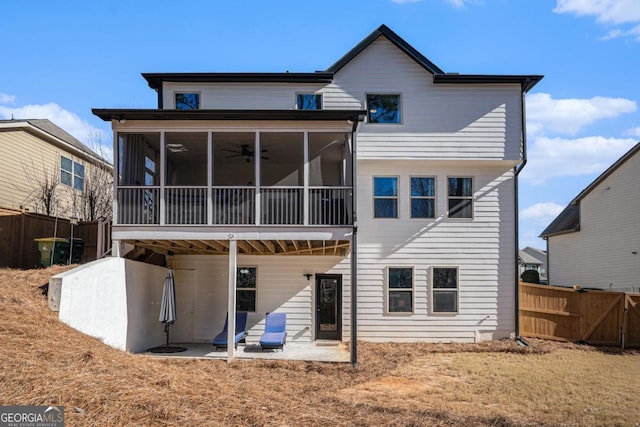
166, 330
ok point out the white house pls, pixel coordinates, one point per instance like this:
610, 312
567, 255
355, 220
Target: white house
595, 241
375, 200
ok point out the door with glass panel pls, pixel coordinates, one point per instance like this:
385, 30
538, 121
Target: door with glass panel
328, 306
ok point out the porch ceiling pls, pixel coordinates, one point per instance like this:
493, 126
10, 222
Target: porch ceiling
245, 247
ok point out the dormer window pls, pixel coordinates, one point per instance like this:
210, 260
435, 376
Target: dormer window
383, 108
187, 101
309, 101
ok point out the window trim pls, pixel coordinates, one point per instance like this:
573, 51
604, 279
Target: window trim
320, 94
434, 197
472, 198
249, 289
432, 288
73, 173
374, 197
388, 290
400, 114
176, 93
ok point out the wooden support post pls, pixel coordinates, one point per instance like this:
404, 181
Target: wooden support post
231, 309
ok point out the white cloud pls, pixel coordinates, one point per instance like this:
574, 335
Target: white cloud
541, 213
7, 99
606, 11
633, 132
569, 116
610, 12
557, 157
66, 120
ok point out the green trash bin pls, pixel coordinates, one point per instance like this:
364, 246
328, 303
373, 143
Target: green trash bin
57, 245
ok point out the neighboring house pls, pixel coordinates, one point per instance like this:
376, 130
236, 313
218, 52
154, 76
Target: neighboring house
533, 259
595, 241
46, 170
382, 178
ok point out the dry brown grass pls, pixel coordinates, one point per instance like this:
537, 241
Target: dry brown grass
44, 362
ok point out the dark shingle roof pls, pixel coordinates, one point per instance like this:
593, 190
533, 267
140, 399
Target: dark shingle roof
569, 219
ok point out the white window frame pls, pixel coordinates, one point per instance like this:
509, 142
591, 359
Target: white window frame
471, 198
397, 197
255, 290
434, 197
388, 290
320, 94
184, 92
433, 290
73, 172
400, 109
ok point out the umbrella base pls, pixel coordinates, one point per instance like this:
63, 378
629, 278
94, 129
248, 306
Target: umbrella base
167, 349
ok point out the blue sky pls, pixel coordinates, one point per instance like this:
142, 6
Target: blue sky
60, 59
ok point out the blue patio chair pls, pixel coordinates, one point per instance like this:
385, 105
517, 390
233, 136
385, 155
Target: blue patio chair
275, 331
220, 341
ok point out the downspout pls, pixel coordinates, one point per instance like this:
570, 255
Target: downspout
517, 169
354, 246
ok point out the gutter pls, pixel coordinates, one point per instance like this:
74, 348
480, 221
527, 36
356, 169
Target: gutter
517, 169
354, 246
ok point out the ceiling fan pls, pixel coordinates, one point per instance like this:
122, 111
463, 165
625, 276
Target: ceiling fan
245, 152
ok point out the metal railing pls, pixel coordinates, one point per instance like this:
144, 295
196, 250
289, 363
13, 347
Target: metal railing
282, 206
329, 205
138, 205
234, 205
186, 205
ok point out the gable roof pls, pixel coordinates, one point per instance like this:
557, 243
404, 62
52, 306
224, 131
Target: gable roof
156, 80
526, 258
398, 41
569, 219
51, 130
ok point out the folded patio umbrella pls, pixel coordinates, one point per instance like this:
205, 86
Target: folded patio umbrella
168, 312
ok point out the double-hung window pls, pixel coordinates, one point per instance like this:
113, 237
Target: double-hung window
187, 101
309, 101
423, 197
400, 289
383, 108
444, 289
246, 289
71, 173
460, 197
385, 197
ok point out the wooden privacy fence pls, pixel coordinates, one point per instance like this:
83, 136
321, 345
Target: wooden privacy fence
19, 229
590, 316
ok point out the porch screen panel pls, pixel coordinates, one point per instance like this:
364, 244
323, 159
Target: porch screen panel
329, 178
138, 178
282, 177
234, 181
186, 177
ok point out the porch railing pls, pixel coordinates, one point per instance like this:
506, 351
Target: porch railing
234, 206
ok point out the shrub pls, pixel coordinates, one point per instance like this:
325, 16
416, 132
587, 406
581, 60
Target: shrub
530, 276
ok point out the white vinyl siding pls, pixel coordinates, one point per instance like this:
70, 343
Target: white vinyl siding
442, 121
241, 96
601, 255
282, 286
481, 249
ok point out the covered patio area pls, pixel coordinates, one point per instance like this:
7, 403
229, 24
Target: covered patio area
317, 351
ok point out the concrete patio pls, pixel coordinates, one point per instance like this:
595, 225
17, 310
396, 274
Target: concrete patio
319, 351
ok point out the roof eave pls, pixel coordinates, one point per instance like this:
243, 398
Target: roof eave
282, 115
526, 82
156, 80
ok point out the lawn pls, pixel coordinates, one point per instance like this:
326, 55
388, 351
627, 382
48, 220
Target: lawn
43, 362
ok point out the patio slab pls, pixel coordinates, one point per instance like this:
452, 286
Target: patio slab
319, 351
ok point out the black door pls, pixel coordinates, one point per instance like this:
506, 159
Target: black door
328, 306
